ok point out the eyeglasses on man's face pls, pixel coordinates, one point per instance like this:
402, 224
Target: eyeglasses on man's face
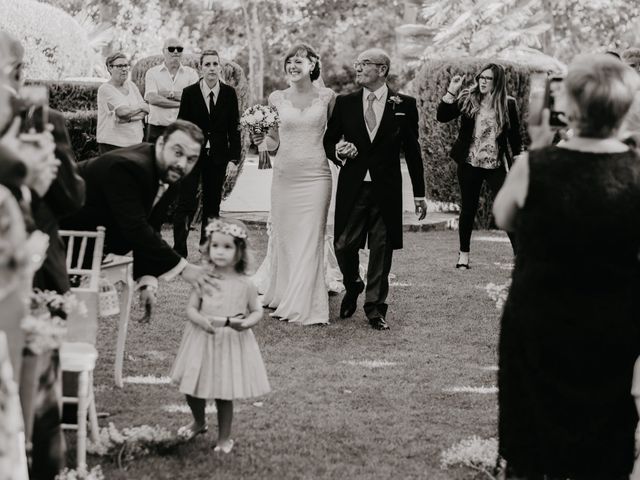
364, 63
175, 49
121, 66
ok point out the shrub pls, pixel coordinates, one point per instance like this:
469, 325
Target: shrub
67, 96
232, 74
82, 130
56, 46
436, 138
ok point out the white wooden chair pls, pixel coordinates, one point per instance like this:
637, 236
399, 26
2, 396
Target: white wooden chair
78, 353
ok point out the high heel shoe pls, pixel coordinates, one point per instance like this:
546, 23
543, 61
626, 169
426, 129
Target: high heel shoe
464, 265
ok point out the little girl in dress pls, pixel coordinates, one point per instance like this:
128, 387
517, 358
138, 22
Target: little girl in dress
219, 357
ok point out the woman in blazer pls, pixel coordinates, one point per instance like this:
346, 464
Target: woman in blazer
489, 128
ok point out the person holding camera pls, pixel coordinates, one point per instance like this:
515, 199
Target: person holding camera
569, 331
55, 188
488, 140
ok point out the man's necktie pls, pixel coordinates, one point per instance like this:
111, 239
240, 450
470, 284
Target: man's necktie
370, 115
212, 102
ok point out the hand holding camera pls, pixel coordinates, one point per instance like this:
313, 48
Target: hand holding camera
37, 151
455, 84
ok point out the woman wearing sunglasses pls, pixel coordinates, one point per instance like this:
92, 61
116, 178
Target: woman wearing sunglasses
121, 108
489, 126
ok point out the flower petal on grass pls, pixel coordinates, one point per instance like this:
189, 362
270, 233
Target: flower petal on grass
148, 380
466, 389
184, 408
370, 363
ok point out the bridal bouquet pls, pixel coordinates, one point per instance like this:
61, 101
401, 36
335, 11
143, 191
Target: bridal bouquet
259, 119
46, 324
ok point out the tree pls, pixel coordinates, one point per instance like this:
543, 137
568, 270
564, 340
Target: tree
56, 45
559, 28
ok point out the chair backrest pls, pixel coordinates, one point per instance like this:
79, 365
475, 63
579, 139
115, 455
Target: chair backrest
76, 262
80, 244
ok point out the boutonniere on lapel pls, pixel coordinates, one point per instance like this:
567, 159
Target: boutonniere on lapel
394, 100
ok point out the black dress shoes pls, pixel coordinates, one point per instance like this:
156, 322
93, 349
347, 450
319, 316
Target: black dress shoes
350, 300
378, 323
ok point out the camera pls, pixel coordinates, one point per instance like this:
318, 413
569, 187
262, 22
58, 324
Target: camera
546, 92
33, 106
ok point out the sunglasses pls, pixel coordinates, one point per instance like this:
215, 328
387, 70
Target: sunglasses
121, 66
175, 49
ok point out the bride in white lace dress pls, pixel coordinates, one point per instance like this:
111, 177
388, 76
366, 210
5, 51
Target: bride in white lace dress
293, 277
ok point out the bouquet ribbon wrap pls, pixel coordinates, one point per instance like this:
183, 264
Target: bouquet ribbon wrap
264, 160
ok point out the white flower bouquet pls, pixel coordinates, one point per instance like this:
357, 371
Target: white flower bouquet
46, 324
259, 119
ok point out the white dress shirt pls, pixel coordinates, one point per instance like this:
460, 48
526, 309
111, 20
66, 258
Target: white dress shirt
159, 78
204, 88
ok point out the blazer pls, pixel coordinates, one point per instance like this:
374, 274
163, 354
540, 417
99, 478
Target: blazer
220, 128
398, 130
121, 187
509, 136
65, 196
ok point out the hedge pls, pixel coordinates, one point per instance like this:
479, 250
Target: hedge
437, 138
82, 130
67, 96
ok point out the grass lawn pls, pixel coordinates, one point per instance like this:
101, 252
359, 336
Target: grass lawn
330, 414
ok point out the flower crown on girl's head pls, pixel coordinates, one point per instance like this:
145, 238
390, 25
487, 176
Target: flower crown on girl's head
217, 225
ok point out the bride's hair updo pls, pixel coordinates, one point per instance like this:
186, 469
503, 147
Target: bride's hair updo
304, 50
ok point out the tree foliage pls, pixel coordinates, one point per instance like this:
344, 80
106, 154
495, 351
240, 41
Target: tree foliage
559, 28
55, 44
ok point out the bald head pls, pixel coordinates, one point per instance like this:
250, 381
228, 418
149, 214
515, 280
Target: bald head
172, 52
372, 68
378, 55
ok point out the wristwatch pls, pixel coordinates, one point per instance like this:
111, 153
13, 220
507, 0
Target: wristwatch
228, 322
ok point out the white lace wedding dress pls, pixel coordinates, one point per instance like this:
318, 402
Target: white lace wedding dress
300, 266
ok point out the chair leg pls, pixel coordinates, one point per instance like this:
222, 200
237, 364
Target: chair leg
83, 404
125, 310
93, 415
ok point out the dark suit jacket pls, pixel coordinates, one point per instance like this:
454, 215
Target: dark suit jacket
398, 130
508, 137
220, 128
65, 196
13, 171
121, 187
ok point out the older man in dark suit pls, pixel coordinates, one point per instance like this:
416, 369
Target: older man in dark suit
364, 136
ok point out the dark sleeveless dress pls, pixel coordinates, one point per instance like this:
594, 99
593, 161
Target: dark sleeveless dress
570, 330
